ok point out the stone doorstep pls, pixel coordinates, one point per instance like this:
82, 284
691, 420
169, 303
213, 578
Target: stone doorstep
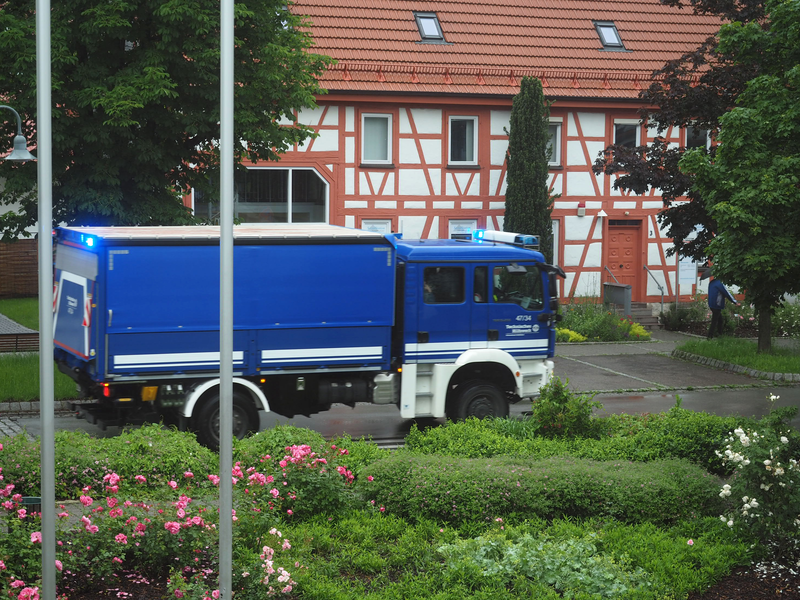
719, 364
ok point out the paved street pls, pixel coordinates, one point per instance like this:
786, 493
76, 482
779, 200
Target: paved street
631, 378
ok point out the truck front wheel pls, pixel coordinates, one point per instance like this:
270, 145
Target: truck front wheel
479, 399
205, 422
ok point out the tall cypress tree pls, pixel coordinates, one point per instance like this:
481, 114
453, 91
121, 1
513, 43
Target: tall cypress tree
528, 200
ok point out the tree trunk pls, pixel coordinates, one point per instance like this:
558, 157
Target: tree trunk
764, 330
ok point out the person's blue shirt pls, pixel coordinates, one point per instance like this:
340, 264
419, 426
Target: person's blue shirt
717, 295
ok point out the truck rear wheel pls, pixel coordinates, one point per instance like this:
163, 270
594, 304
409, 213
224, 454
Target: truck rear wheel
205, 422
479, 399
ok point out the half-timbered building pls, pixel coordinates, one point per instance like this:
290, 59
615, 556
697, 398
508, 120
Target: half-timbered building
412, 134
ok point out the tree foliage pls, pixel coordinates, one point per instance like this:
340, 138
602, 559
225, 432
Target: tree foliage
528, 200
751, 187
136, 102
693, 90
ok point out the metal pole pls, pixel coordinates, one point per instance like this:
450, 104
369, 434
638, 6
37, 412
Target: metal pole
226, 301
46, 394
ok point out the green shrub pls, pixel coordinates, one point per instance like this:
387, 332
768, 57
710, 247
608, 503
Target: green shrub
569, 566
677, 433
273, 442
564, 335
471, 438
481, 490
764, 499
559, 412
360, 453
596, 322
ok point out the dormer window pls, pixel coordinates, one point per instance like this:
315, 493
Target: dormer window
429, 28
609, 36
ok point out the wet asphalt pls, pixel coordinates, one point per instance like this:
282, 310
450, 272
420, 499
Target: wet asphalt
632, 378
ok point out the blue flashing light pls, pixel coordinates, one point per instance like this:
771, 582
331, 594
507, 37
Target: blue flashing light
88, 240
478, 234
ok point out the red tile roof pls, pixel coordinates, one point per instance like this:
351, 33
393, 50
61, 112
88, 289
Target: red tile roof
491, 44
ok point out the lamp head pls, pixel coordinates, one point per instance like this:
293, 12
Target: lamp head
20, 152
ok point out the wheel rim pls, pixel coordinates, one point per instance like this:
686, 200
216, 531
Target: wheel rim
239, 424
481, 407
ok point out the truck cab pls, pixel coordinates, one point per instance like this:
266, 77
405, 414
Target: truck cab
478, 326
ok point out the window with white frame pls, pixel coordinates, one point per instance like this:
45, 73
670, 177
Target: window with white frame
626, 132
383, 226
461, 228
463, 141
265, 195
376, 139
554, 145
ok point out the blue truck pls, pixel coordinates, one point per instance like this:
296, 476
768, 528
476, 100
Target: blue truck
322, 315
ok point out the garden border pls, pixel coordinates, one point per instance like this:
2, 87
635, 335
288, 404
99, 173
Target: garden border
733, 368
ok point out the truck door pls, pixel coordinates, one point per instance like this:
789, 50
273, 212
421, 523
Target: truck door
76, 272
444, 326
518, 300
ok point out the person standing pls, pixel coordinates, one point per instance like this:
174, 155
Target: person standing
716, 302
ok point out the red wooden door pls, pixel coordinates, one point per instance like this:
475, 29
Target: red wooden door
625, 256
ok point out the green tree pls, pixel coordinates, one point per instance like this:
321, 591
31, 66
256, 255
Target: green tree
751, 187
528, 199
136, 102
694, 90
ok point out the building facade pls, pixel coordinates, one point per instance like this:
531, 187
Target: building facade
412, 134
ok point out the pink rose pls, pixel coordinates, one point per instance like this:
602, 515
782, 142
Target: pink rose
36, 537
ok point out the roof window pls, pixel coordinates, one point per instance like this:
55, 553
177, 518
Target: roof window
609, 36
429, 28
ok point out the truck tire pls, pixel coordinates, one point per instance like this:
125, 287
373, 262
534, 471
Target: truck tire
479, 399
205, 421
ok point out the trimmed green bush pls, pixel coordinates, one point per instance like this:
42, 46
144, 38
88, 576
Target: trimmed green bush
481, 490
273, 442
678, 433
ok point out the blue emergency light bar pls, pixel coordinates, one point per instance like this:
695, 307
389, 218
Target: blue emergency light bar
76, 237
507, 237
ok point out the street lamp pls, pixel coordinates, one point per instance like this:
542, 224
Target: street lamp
20, 152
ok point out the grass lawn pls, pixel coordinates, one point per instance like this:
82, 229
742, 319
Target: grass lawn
19, 373
745, 352
24, 311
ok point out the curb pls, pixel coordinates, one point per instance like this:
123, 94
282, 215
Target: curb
33, 407
726, 366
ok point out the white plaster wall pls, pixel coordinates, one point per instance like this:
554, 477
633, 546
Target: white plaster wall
435, 176
572, 255
592, 124
310, 116
349, 150
350, 119
432, 151
412, 183
580, 184
332, 116
498, 152
412, 226
594, 255
427, 120
408, 152
577, 228
500, 119
349, 181
653, 255
327, 141
588, 285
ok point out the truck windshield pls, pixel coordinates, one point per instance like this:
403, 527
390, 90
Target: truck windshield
519, 284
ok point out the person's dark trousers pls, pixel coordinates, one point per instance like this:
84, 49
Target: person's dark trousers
716, 322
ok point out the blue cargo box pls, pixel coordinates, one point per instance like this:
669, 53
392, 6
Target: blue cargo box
145, 300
